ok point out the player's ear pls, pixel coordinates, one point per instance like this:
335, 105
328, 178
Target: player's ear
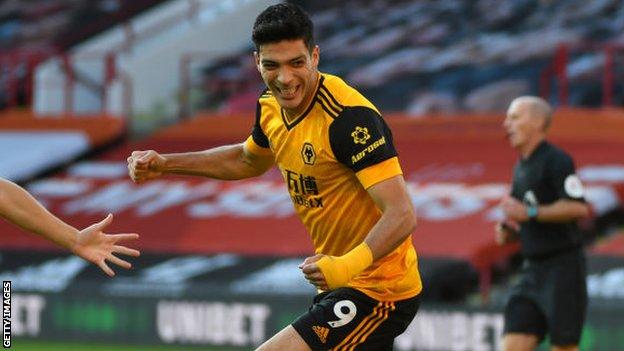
316, 52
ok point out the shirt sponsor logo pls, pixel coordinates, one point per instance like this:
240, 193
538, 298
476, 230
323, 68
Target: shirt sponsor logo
369, 149
360, 135
302, 188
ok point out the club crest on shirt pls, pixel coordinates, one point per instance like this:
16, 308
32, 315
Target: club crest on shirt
308, 154
360, 135
573, 186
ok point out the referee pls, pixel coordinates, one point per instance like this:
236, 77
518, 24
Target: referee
547, 199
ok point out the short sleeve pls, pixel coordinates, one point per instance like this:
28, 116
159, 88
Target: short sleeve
360, 138
376, 173
251, 146
257, 134
563, 178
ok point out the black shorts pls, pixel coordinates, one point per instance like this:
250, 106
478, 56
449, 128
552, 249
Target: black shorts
346, 318
551, 298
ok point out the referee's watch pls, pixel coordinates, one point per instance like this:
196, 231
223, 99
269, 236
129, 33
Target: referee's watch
531, 211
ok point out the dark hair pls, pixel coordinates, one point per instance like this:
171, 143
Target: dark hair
284, 21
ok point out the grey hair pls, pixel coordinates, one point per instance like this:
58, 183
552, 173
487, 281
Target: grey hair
538, 107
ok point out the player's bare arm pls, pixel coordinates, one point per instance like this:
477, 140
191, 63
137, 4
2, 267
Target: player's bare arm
395, 226
560, 211
398, 220
228, 162
92, 244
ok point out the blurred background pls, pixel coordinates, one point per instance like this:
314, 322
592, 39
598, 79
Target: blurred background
83, 83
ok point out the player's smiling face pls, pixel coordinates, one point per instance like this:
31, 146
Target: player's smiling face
290, 71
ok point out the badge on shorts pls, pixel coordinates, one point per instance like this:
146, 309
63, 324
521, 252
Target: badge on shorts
573, 186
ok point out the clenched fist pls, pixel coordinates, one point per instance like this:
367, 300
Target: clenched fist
145, 165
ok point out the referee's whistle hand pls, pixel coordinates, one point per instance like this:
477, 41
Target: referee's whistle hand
513, 209
502, 236
506, 232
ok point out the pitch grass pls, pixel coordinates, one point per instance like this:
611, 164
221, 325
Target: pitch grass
29, 345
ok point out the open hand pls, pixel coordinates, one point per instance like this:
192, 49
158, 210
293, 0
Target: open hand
98, 247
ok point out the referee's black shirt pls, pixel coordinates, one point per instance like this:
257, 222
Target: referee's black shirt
546, 176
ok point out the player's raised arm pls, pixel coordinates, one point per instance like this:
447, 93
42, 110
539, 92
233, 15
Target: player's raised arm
227, 162
20, 208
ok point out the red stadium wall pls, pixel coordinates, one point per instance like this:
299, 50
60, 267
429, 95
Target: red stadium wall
100, 129
457, 169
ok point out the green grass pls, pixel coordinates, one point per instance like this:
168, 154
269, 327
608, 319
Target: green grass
28, 345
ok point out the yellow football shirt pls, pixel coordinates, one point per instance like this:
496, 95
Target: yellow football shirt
329, 156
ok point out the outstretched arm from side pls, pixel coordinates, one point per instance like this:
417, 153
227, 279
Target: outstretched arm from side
20, 208
228, 162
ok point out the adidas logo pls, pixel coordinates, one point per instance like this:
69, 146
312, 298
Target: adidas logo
321, 332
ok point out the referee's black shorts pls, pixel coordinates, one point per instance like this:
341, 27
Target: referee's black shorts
550, 298
347, 319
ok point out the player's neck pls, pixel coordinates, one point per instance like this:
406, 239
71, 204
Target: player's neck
528, 148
